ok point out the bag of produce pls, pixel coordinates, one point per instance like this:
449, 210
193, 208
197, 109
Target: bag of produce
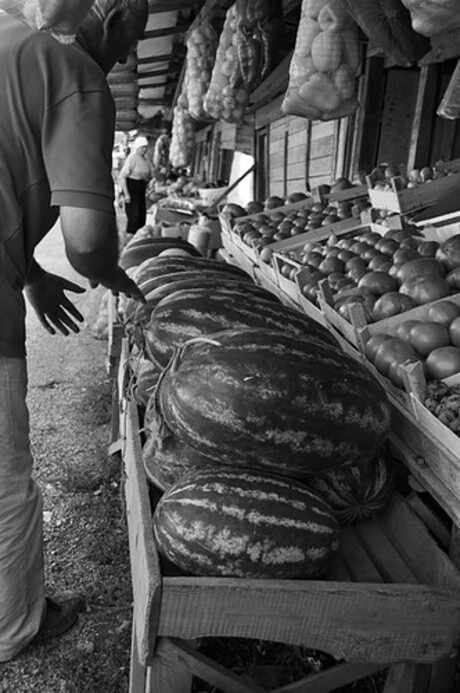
60, 17
431, 17
201, 55
325, 63
387, 24
244, 57
182, 135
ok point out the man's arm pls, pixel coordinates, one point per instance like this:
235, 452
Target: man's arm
92, 247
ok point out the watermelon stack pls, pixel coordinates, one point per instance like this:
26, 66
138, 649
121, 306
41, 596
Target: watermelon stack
251, 401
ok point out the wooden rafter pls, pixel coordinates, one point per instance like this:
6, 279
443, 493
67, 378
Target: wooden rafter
172, 6
158, 73
166, 31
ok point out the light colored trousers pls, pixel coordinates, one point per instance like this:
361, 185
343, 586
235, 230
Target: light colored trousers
22, 588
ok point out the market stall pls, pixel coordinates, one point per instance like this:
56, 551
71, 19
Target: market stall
351, 227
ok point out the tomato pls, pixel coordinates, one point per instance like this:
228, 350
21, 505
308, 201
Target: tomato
377, 261
425, 289
443, 362
345, 255
331, 264
454, 332
421, 267
443, 312
404, 255
449, 252
427, 336
403, 329
387, 246
370, 237
359, 247
392, 303
315, 259
453, 278
373, 343
355, 273
378, 282
428, 248
390, 351
355, 261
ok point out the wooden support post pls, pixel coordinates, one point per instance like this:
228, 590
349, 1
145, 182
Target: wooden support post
420, 146
168, 673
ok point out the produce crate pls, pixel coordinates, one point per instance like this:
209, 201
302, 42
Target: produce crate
405, 200
390, 601
286, 284
306, 306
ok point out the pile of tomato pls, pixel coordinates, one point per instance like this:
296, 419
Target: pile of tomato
433, 340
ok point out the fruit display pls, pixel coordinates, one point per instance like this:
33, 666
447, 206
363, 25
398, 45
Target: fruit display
431, 337
382, 176
244, 57
277, 224
200, 312
236, 387
387, 274
325, 63
201, 55
244, 524
290, 404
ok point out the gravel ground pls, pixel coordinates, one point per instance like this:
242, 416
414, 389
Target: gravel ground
70, 400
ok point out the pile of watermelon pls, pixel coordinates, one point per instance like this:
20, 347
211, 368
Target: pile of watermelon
262, 435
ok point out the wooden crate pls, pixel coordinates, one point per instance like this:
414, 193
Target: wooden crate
404, 200
305, 305
389, 601
287, 285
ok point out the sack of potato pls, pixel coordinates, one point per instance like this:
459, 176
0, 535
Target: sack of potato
325, 64
226, 98
201, 55
182, 135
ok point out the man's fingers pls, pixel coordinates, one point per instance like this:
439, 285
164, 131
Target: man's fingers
76, 288
70, 308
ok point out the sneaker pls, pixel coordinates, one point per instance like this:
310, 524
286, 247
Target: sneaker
60, 616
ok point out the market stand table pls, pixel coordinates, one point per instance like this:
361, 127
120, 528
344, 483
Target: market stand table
391, 600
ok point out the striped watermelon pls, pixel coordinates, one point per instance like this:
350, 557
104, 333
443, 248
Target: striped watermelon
156, 266
151, 247
290, 404
145, 379
198, 312
245, 524
358, 491
166, 457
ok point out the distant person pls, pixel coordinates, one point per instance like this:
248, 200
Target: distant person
134, 177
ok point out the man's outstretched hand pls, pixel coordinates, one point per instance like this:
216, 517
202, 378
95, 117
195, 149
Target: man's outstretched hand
53, 308
120, 283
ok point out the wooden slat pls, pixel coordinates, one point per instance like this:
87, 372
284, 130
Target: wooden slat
428, 562
390, 563
435, 525
145, 568
359, 622
420, 146
331, 679
212, 672
359, 564
166, 31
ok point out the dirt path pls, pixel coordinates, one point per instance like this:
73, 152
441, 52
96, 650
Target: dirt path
85, 532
